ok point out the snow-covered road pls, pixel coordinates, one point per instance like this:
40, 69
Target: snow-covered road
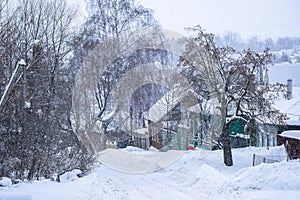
191, 176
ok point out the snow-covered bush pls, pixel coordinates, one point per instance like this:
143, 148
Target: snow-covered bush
5, 182
70, 176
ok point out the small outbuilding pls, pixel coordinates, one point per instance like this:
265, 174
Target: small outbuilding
291, 141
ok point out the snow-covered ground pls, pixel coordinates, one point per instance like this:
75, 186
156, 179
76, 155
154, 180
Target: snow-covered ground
192, 175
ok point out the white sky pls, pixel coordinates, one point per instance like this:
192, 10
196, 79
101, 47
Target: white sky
265, 18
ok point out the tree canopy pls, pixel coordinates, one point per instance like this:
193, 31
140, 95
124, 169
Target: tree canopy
231, 78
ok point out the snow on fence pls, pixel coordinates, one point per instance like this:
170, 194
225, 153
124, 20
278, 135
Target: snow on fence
258, 159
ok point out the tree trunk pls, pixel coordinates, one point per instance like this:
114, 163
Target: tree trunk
227, 154
252, 132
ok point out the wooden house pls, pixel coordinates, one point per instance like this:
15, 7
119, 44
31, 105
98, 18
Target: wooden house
166, 128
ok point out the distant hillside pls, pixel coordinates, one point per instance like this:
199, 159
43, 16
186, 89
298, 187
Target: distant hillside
287, 55
285, 49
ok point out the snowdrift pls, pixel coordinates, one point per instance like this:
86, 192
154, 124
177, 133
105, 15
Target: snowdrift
176, 175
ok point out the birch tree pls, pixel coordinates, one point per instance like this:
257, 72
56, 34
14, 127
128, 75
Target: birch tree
108, 19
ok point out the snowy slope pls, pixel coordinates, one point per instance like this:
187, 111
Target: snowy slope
191, 176
281, 72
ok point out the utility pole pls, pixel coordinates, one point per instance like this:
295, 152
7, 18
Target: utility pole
131, 116
22, 64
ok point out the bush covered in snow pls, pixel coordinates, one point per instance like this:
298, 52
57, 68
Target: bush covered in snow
70, 176
5, 182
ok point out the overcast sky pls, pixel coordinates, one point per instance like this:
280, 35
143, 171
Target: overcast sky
264, 18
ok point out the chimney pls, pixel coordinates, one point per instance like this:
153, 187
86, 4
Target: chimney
289, 89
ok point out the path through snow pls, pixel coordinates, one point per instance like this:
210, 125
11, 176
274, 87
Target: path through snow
189, 177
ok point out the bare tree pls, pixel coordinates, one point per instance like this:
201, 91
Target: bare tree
230, 39
107, 22
36, 97
230, 79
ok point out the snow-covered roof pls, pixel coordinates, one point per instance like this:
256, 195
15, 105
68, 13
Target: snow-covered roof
163, 106
291, 134
140, 133
280, 73
290, 107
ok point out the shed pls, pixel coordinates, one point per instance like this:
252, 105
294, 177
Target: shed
291, 141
